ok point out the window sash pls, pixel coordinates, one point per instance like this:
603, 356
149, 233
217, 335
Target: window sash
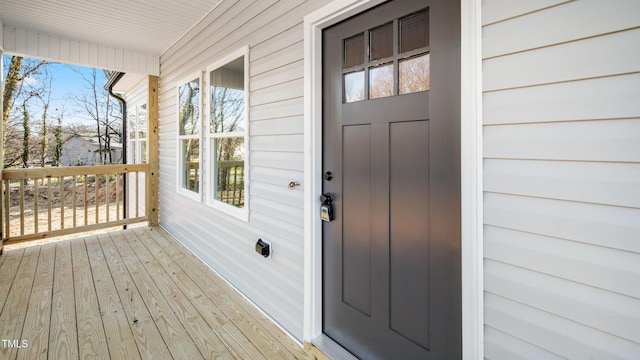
232, 175
183, 172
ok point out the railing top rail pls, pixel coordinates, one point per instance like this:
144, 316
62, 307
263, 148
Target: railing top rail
231, 163
21, 174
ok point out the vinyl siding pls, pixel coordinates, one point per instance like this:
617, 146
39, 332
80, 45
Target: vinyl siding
561, 83
32, 43
273, 31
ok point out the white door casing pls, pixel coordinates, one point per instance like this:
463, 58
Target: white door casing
471, 167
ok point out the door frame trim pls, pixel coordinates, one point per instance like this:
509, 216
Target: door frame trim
471, 168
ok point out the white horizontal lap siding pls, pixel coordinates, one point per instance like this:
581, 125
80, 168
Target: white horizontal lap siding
32, 43
273, 31
561, 83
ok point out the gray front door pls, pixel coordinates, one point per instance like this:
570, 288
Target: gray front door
391, 140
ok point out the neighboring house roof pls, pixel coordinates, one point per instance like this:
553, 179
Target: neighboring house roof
88, 140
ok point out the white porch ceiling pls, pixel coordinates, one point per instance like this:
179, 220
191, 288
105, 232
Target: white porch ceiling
149, 26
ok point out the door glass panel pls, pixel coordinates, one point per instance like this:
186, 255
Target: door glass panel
354, 51
381, 42
414, 74
354, 86
381, 81
414, 31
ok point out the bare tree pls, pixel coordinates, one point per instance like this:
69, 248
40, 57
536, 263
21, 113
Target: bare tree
97, 104
45, 132
26, 133
19, 88
189, 122
58, 134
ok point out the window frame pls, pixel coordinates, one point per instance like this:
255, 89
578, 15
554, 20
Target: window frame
135, 155
209, 137
142, 157
132, 119
180, 189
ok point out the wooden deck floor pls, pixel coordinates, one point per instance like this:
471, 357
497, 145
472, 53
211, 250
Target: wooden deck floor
130, 294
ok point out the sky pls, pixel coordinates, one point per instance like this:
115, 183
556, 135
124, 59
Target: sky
66, 81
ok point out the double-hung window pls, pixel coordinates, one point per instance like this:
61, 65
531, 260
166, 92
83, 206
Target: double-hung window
132, 117
218, 150
189, 100
138, 135
227, 131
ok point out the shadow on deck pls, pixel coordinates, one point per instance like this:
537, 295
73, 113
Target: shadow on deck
132, 294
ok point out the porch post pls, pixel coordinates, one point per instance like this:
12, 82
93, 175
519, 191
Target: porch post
152, 188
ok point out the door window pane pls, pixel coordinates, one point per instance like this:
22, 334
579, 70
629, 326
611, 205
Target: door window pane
381, 81
354, 86
381, 42
227, 98
229, 170
354, 51
191, 164
414, 74
189, 108
414, 31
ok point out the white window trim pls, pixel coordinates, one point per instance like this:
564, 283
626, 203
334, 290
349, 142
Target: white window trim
241, 213
471, 172
134, 142
139, 140
179, 189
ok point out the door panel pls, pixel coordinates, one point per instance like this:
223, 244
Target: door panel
356, 238
391, 257
409, 229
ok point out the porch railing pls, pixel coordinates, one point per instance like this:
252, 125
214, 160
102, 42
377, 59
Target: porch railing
45, 202
231, 182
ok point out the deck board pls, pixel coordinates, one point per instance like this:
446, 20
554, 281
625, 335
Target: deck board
132, 294
145, 332
14, 311
116, 326
8, 269
175, 336
63, 337
202, 334
38, 317
244, 319
92, 341
238, 344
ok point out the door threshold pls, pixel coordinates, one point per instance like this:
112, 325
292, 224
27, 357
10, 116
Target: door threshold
326, 348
